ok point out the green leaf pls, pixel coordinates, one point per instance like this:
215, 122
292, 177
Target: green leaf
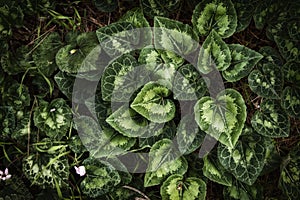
288, 48
71, 58
214, 53
47, 169
240, 190
290, 101
189, 136
223, 118
75, 144
65, 83
164, 160
159, 8
101, 142
270, 55
176, 187
291, 72
16, 95
15, 189
174, 36
152, 104
215, 15
267, 81
244, 12
289, 181
122, 78
188, 84
214, 171
119, 38
271, 120
106, 5
8, 121
53, 118
246, 160
101, 178
45, 52
127, 122
243, 60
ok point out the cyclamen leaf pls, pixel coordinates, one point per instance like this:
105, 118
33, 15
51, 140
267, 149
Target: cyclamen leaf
214, 53
289, 180
177, 188
16, 95
118, 38
106, 5
53, 118
267, 81
218, 15
174, 36
122, 78
244, 11
271, 120
159, 8
71, 57
152, 104
270, 55
223, 118
292, 72
290, 101
44, 55
101, 178
246, 160
65, 83
243, 60
46, 170
189, 136
8, 120
164, 160
101, 142
240, 190
188, 84
213, 170
288, 48
127, 122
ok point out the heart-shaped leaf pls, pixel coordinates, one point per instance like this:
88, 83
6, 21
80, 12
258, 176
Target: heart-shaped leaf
177, 187
223, 118
214, 54
270, 55
291, 101
101, 142
152, 104
243, 60
288, 48
164, 160
271, 120
174, 36
292, 72
244, 12
267, 81
100, 179
159, 7
188, 83
246, 160
215, 15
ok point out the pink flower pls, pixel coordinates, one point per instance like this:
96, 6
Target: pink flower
80, 170
5, 175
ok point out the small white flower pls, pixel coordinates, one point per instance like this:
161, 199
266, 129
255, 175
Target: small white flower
80, 170
5, 175
52, 110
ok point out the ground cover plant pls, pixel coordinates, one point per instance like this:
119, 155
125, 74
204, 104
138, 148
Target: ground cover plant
149, 99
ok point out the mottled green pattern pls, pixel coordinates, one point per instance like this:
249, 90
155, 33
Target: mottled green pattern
243, 60
164, 160
291, 101
218, 15
288, 48
176, 187
271, 120
214, 54
159, 7
223, 118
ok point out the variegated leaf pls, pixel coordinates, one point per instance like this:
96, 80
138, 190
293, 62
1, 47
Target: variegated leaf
164, 160
292, 72
159, 7
188, 84
189, 136
271, 120
244, 12
288, 48
101, 142
267, 81
243, 60
290, 101
214, 54
218, 15
270, 55
223, 118
152, 103
246, 160
176, 187
174, 36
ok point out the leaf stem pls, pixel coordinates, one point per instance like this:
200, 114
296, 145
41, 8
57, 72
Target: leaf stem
137, 191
